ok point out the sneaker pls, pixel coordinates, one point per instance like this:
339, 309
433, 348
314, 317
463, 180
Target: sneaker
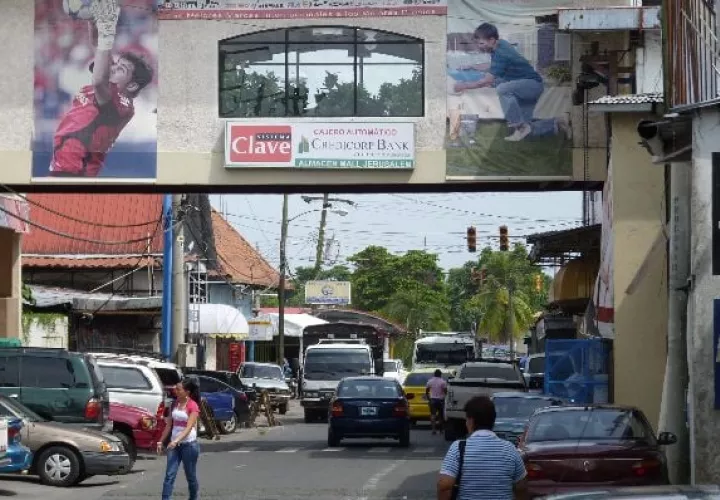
520, 133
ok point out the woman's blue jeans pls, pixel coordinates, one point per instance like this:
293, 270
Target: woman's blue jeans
188, 454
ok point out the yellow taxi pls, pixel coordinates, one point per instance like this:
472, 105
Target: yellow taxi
414, 387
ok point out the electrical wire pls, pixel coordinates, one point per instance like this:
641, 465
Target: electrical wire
69, 217
71, 237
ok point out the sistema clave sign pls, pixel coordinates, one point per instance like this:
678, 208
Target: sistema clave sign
337, 145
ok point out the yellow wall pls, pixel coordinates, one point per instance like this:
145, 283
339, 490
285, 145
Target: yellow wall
10, 284
641, 315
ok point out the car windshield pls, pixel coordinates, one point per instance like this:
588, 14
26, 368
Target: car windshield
9, 407
536, 365
420, 379
504, 372
444, 353
377, 389
334, 364
513, 407
263, 371
590, 425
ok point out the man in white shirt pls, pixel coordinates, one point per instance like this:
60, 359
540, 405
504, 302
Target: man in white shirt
435, 391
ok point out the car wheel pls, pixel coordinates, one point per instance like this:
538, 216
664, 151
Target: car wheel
129, 445
405, 439
333, 439
283, 409
228, 426
59, 466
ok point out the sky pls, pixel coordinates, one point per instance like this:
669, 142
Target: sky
400, 222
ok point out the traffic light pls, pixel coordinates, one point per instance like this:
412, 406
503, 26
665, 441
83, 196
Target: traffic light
504, 243
471, 239
538, 283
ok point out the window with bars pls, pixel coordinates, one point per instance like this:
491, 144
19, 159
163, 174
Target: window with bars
321, 71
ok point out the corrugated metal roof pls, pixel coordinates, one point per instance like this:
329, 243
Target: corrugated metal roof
652, 98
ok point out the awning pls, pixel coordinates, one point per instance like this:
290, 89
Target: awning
295, 324
217, 321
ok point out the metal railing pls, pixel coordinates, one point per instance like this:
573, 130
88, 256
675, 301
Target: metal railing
691, 52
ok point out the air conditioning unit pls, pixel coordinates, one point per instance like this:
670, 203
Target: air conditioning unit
187, 355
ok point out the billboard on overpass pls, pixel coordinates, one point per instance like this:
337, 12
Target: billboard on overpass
509, 90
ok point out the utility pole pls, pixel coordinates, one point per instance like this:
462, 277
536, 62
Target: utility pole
179, 296
510, 322
321, 235
167, 268
674, 395
281, 284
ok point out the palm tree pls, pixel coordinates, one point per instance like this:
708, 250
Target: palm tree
502, 315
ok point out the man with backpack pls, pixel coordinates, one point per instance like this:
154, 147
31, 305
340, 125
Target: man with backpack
483, 466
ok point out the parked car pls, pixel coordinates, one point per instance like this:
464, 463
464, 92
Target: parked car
59, 385
575, 448
414, 387
514, 409
64, 455
137, 428
17, 456
230, 378
671, 492
133, 384
477, 378
368, 407
229, 406
267, 377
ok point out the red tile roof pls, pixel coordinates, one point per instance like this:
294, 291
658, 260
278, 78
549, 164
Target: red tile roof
239, 261
70, 214
88, 217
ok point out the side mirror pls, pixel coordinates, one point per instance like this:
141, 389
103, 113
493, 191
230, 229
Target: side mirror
666, 438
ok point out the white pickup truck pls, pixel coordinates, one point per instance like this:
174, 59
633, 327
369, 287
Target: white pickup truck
477, 378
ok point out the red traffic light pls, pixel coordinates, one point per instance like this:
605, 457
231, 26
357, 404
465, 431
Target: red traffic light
504, 239
472, 239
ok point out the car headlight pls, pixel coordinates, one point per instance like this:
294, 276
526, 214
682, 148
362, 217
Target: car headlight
107, 447
312, 395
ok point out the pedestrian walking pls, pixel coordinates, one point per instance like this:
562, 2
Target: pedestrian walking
483, 466
180, 429
435, 391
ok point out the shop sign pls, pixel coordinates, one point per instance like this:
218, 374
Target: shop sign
327, 293
297, 9
314, 145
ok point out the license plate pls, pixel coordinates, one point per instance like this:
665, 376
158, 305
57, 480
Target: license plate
368, 411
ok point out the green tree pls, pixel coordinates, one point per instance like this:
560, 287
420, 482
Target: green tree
509, 286
460, 289
248, 94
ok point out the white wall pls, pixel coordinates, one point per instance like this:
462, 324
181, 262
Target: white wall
45, 330
706, 287
649, 63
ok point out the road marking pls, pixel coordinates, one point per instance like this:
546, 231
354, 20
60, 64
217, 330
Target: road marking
380, 450
240, 466
244, 450
334, 449
424, 450
372, 483
288, 450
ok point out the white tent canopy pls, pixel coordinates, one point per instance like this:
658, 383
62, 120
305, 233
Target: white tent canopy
295, 324
218, 320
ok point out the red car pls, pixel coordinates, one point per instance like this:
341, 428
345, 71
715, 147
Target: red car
137, 428
572, 448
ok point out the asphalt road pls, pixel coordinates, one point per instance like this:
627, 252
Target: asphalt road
288, 462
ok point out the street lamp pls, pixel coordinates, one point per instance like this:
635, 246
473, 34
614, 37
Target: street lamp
283, 268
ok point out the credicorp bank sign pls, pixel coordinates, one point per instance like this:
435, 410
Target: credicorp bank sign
337, 145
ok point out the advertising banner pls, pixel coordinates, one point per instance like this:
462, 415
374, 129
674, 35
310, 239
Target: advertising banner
509, 90
337, 145
327, 292
95, 90
298, 9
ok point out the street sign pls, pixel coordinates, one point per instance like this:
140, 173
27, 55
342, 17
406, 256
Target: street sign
327, 293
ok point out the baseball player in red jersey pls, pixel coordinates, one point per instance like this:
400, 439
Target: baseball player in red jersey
100, 111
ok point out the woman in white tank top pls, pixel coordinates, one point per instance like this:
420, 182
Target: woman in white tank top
180, 427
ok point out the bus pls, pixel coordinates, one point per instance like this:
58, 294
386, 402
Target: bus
445, 350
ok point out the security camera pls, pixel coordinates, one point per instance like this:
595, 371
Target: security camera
651, 140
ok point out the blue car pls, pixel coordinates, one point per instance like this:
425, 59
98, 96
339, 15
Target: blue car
514, 409
368, 407
18, 457
221, 399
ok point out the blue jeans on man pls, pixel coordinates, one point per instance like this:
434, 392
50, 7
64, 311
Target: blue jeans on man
188, 454
518, 99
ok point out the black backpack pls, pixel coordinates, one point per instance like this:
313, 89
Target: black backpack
461, 452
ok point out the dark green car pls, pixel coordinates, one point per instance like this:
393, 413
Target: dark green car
56, 384
513, 410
